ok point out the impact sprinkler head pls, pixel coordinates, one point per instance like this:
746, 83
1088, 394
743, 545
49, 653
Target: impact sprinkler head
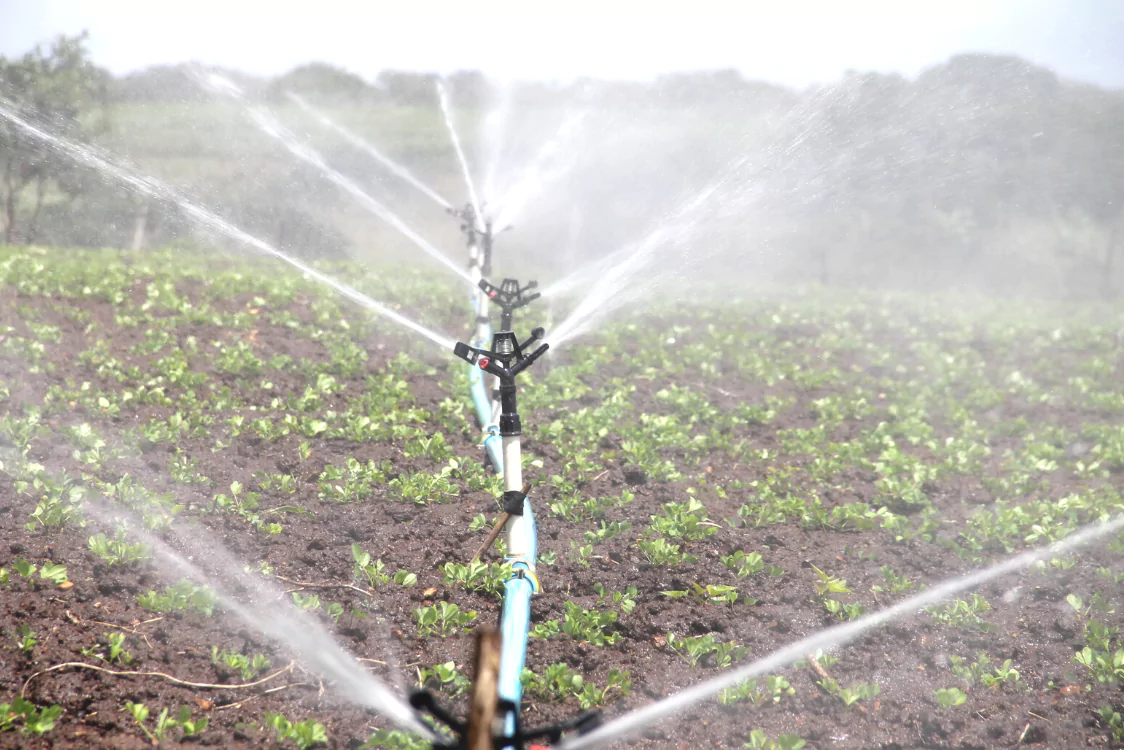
509, 296
505, 360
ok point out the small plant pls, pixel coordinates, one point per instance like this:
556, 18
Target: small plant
661, 552
248, 667
625, 600
24, 637
395, 739
859, 691
950, 697
30, 718
309, 603
478, 576
963, 614
686, 521
114, 652
1105, 666
694, 650
708, 594
442, 619
558, 682
183, 596
896, 584
773, 690
334, 611
583, 553
758, 740
423, 489
607, 531
828, 584
117, 551
744, 565
981, 673
165, 723
590, 626
367, 570
446, 677
1109, 718
305, 734
53, 572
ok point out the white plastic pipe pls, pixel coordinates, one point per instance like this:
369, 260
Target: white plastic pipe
517, 543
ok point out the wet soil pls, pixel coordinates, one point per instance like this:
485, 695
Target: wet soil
1031, 622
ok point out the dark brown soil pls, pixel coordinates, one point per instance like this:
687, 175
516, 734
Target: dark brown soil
1031, 622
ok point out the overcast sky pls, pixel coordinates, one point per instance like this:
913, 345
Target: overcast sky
793, 42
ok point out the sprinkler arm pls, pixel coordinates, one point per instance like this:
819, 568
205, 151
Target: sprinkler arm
509, 296
504, 367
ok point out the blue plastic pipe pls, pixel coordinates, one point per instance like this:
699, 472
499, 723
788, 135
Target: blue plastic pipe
515, 623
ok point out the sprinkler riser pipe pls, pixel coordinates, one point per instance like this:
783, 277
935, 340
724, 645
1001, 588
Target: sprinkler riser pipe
486, 260
510, 426
512, 463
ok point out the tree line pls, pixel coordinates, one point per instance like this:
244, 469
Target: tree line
984, 166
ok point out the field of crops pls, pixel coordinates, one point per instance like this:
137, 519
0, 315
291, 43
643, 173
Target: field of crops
713, 480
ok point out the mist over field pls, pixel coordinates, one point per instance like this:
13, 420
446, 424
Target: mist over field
985, 172
753, 387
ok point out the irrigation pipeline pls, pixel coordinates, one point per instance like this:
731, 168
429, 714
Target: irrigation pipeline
505, 359
480, 262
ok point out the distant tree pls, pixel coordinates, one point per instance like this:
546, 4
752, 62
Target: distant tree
324, 80
56, 89
468, 88
158, 83
412, 89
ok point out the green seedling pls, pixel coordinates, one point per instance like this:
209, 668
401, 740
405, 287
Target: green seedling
309, 603
625, 600
446, 677
478, 576
181, 597
950, 697
442, 619
395, 739
772, 691
25, 639
686, 521
1110, 719
694, 650
558, 682
708, 594
980, 672
248, 667
859, 691
744, 565
115, 650
30, 719
117, 551
963, 613
661, 552
758, 740
304, 734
